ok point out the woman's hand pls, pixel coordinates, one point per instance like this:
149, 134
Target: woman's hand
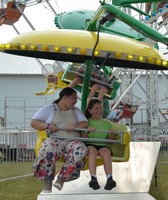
53, 128
70, 127
84, 135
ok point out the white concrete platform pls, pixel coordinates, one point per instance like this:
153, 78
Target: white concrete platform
133, 178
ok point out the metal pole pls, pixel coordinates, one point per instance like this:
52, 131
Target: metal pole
117, 103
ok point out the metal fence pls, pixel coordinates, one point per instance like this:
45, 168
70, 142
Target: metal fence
16, 153
153, 134
17, 149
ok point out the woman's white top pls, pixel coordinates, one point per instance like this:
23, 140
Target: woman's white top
46, 113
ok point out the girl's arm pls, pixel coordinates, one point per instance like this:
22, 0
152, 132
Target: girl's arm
111, 135
85, 134
82, 124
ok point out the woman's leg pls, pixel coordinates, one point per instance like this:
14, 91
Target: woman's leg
74, 154
44, 164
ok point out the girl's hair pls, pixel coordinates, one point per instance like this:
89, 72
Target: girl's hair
68, 91
90, 106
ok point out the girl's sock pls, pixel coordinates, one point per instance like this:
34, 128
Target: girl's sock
94, 175
109, 176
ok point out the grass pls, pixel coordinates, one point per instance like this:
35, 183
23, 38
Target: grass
24, 188
160, 192
29, 187
11, 170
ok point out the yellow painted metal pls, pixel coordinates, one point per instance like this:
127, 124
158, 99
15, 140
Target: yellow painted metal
54, 82
82, 40
78, 46
121, 151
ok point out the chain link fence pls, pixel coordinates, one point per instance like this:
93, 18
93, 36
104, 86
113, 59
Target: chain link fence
17, 149
16, 153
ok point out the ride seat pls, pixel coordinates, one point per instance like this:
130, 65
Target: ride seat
121, 151
12, 14
72, 72
129, 111
54, 81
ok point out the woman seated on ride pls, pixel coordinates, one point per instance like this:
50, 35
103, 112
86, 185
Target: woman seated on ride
61, 113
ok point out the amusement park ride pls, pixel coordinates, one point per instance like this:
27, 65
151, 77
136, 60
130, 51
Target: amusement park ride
119, 38
110, 38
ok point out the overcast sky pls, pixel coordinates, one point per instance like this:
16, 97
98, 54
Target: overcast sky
42, 18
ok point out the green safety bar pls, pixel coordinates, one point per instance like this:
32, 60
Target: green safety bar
86, 82
134, 23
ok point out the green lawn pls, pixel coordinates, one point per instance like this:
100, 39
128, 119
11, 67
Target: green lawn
29, 187
24, 188
160, 192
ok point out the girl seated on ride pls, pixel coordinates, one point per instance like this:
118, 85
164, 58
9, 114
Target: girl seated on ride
96, 74
96, 122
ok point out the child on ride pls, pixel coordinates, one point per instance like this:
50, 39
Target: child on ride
96, 74
96, 122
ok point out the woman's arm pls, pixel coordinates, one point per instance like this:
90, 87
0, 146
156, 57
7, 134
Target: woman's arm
41, 125
42, 118
38, 124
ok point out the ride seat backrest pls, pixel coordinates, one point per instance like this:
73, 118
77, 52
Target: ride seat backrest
129, 111
55, 80
12, 13
51, 80
116, 146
